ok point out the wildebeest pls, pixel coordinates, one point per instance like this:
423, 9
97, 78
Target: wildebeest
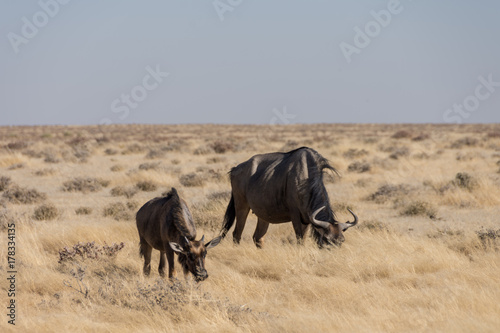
283, 187
166, 224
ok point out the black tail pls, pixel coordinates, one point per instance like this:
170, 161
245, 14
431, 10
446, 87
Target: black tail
228, 217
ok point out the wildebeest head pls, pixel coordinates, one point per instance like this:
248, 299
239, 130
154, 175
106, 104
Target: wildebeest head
330, 233
192, 255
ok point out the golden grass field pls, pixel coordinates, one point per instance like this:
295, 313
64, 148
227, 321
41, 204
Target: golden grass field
425, 256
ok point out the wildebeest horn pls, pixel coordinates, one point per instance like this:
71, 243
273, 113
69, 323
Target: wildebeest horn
186, 240
347, 225
318, 223
202, 238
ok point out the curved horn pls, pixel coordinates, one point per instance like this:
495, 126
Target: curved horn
202, 238
186, 240
319, 223
347, 225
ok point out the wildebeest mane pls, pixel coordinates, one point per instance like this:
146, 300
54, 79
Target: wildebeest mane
176, 214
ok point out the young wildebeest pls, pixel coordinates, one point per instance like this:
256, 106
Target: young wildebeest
283, 187
166, 224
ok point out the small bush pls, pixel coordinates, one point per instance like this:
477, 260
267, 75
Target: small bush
354, 153
111, 151
401, 135
359, 167
84, 185
388, 191
89, 251
45, 212
493, 135
400, 152
123, 191
191, 180
118, 210
216, 159
465, 181
116, 168
83, 211
421, 137
155, 153
146, 186
44, 172
221, 147
133, 149
17, 145
464, 142
489, 238
149, 166
4, 183
420, 208
22, 195
16, 166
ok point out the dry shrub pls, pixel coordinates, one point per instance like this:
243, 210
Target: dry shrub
44, 172
191, 180
493, 135
216, 159
117, 168
17, 145
84, 185
421, 137
127, 192
5, 182
22, 195
46, 212
133, 149
203, 150
355, 153
155, 153
359, 167
83, 211
490, 239
419, 208
117, 210
89, 251
465, 181
111, 151
464, 142
403, 134
16, 166
146, 186
149, 166
5, 219
221, 147
389, 191
399, 152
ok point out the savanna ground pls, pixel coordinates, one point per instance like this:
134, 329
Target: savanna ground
424, 257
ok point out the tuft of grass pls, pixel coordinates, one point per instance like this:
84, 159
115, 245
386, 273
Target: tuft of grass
146, 186
465, 181
464, 142
389, 191
22, 195
192, 180
420, 208
117, 210
127, 192
4, 183
221, 147
359, 167
44, 172
83, 211
150, 166
84, 185
117, 168
402, 134
46, 212
355, 153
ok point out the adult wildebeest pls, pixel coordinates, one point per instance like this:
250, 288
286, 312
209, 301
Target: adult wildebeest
166, 224
283, 187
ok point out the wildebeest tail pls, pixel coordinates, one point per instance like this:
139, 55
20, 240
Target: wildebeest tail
228, 217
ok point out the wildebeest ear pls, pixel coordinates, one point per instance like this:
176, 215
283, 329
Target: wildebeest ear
176, 247
214, 242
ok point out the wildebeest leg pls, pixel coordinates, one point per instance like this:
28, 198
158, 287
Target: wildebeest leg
260, 231
170, 259
161, 267
242, 210
298, 227
146, 250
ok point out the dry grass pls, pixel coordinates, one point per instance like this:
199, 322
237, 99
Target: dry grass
425, 256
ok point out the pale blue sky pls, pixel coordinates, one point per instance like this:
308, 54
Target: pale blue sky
84, 62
